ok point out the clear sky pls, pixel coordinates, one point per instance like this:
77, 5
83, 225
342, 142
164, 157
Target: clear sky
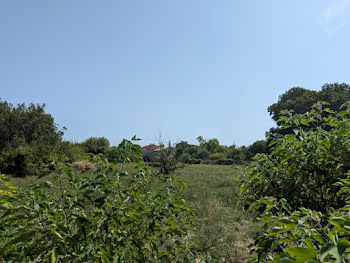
182, 68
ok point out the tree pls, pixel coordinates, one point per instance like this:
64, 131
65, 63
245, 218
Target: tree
336, 94
300, 100
23, 125
211, 145
297, 99
28, 137
255, 148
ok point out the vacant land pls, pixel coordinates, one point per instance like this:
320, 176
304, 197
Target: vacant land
223, 230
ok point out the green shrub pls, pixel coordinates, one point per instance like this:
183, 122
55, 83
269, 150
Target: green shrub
303, 235
216, 156
255, 148
100, 216
294, 191
303, 166
202, 154
18, 162
185, 158
70, 151
167, 161
95, 145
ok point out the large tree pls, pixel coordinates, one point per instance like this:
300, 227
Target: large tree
300, 100
26, 125
28, 137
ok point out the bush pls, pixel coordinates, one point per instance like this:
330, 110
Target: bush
18, 161
167, 162
103, 216
185, 158
295, 189
95, 145
216, 156
202, 154
29, 139
255, 148
70, 151
303, 167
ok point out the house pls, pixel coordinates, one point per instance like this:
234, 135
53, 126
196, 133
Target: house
151, 153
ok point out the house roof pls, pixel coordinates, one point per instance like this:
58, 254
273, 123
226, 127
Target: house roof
151, 147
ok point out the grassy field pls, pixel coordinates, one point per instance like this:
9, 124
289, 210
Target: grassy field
223, 230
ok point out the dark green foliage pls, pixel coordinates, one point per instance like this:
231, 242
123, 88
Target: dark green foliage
96, 145
28, 138
297, 99
295, 189
195, 161
303, 166
167, 160
106, 215
303, 235
70, 151
24, 125
111, 154
300, 100
211, 145
181, 147
237, 154
335, 94
255, 148
211, 152
202, 154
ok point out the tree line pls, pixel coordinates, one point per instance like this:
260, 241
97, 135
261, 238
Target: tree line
30, 138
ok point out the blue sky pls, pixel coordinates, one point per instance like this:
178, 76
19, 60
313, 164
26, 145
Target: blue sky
179, 68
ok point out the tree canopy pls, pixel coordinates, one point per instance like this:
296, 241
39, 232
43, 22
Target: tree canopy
300, 99
26, 125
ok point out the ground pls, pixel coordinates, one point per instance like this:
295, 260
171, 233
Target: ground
223, 229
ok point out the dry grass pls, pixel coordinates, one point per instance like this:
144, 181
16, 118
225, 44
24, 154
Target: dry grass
83, 165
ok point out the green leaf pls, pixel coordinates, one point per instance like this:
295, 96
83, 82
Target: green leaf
53, 255
36, 207
343, 245
329, 249
301, 254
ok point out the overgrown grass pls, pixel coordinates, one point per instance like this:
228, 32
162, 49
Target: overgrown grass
223, 230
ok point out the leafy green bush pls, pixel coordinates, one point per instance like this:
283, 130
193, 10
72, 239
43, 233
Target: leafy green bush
303, 235
70, 151
100, 216
303, 167
28, 138
255, 148
216, 156
202, 154
294, 191
185, 158
96, 145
